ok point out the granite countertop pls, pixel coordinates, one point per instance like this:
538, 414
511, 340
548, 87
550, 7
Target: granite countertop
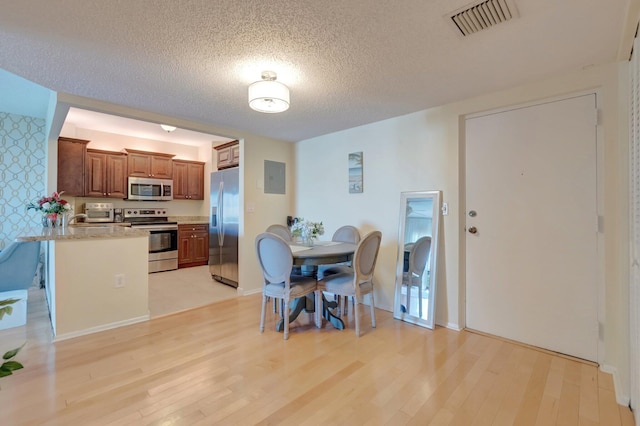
79, 233
189, 220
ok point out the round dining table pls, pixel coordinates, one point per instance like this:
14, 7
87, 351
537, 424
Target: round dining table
309, 258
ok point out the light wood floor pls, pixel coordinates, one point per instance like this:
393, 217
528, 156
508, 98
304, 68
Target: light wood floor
212, 366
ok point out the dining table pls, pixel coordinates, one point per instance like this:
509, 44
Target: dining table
309, 258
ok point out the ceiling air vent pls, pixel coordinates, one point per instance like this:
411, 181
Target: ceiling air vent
483, 15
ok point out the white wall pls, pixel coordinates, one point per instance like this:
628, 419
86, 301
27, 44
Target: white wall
422, 151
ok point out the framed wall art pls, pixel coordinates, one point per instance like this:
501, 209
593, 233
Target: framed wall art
355, 172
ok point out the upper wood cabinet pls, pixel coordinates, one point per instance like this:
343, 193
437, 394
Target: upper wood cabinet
188, 180
228, 155
150, 164
106, 174
71, 166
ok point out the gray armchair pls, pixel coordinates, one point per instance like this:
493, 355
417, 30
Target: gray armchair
18, 263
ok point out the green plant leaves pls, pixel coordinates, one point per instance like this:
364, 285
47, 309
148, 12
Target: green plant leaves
6, 309
13, 352
7, 368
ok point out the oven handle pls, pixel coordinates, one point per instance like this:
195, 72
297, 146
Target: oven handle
221, 212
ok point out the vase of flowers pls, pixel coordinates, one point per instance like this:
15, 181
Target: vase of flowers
53, 208
306, 230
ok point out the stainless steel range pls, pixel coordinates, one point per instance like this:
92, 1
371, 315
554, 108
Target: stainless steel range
163, 238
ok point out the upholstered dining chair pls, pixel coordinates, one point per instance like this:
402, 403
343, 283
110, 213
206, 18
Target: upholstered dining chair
285, 233
418, 257
276, 261
280, 230
344, 234
359, 281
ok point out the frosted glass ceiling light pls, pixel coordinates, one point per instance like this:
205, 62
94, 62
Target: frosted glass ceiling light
167, 128
268, 95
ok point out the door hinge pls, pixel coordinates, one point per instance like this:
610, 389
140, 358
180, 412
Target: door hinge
596, 117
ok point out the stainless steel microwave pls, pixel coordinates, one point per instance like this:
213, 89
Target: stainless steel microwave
149, 189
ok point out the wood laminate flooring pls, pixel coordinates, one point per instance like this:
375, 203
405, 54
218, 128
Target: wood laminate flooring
211, 365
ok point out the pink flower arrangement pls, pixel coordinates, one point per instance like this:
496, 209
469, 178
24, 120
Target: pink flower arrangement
51, 206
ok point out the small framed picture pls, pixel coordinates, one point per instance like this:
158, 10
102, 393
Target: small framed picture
355, 172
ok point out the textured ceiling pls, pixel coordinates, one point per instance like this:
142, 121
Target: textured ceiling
347, 63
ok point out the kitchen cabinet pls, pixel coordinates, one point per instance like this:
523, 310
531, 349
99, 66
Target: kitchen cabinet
106, 174
228, 155
150, 164
71, 165
188, 180
193, 245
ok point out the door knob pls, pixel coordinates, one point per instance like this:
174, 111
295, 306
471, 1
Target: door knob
473, 230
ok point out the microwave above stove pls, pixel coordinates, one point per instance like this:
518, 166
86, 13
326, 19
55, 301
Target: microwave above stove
149, 189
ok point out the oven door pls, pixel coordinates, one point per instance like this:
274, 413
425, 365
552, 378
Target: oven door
162, 240
163, 247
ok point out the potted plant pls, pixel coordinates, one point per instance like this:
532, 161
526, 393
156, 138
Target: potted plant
9, 366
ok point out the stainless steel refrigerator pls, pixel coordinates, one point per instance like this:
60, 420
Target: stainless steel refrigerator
223, 226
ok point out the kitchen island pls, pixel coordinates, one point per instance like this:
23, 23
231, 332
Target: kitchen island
96, 277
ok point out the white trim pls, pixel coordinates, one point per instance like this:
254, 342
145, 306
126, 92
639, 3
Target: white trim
99, 328
621, 397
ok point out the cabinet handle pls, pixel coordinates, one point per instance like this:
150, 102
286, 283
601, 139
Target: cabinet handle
104, 193
108, 193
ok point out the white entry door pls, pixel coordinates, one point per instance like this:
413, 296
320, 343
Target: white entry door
531, 225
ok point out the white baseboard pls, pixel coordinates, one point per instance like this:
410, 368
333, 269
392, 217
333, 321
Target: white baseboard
621, 397
450, 326
243, 292
104, 327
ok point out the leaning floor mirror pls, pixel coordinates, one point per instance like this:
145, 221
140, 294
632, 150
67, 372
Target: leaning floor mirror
415, 292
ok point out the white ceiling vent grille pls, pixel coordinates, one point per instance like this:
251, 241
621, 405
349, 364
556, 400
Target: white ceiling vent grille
483, 15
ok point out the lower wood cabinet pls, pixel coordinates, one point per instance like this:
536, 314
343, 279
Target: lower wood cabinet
193, 245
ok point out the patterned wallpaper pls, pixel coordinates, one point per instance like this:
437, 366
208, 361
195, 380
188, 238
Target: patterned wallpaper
23, 169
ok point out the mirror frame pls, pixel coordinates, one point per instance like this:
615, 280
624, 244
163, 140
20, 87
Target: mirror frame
433, 258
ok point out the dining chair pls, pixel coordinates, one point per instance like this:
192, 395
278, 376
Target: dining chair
285, 233
359, 281
417, 262
280, 230
276, 261
344, 234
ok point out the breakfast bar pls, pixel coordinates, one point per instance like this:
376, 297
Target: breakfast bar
96, 277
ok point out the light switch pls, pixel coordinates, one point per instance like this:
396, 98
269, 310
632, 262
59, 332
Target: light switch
251, 207
445, 209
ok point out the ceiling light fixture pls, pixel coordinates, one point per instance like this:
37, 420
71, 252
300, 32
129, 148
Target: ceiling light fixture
268, 95
167, 128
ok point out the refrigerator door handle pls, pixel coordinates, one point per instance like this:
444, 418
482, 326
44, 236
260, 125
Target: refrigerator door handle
221, 208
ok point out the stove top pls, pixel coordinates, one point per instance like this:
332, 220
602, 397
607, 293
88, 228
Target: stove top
147, 216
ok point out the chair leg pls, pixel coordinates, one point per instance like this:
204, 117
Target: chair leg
373, 313
318, 313
342, 303
264, 307
356, 312
285, 317
420, 300
409, 298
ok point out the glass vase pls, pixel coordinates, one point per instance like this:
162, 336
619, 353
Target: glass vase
52, 220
